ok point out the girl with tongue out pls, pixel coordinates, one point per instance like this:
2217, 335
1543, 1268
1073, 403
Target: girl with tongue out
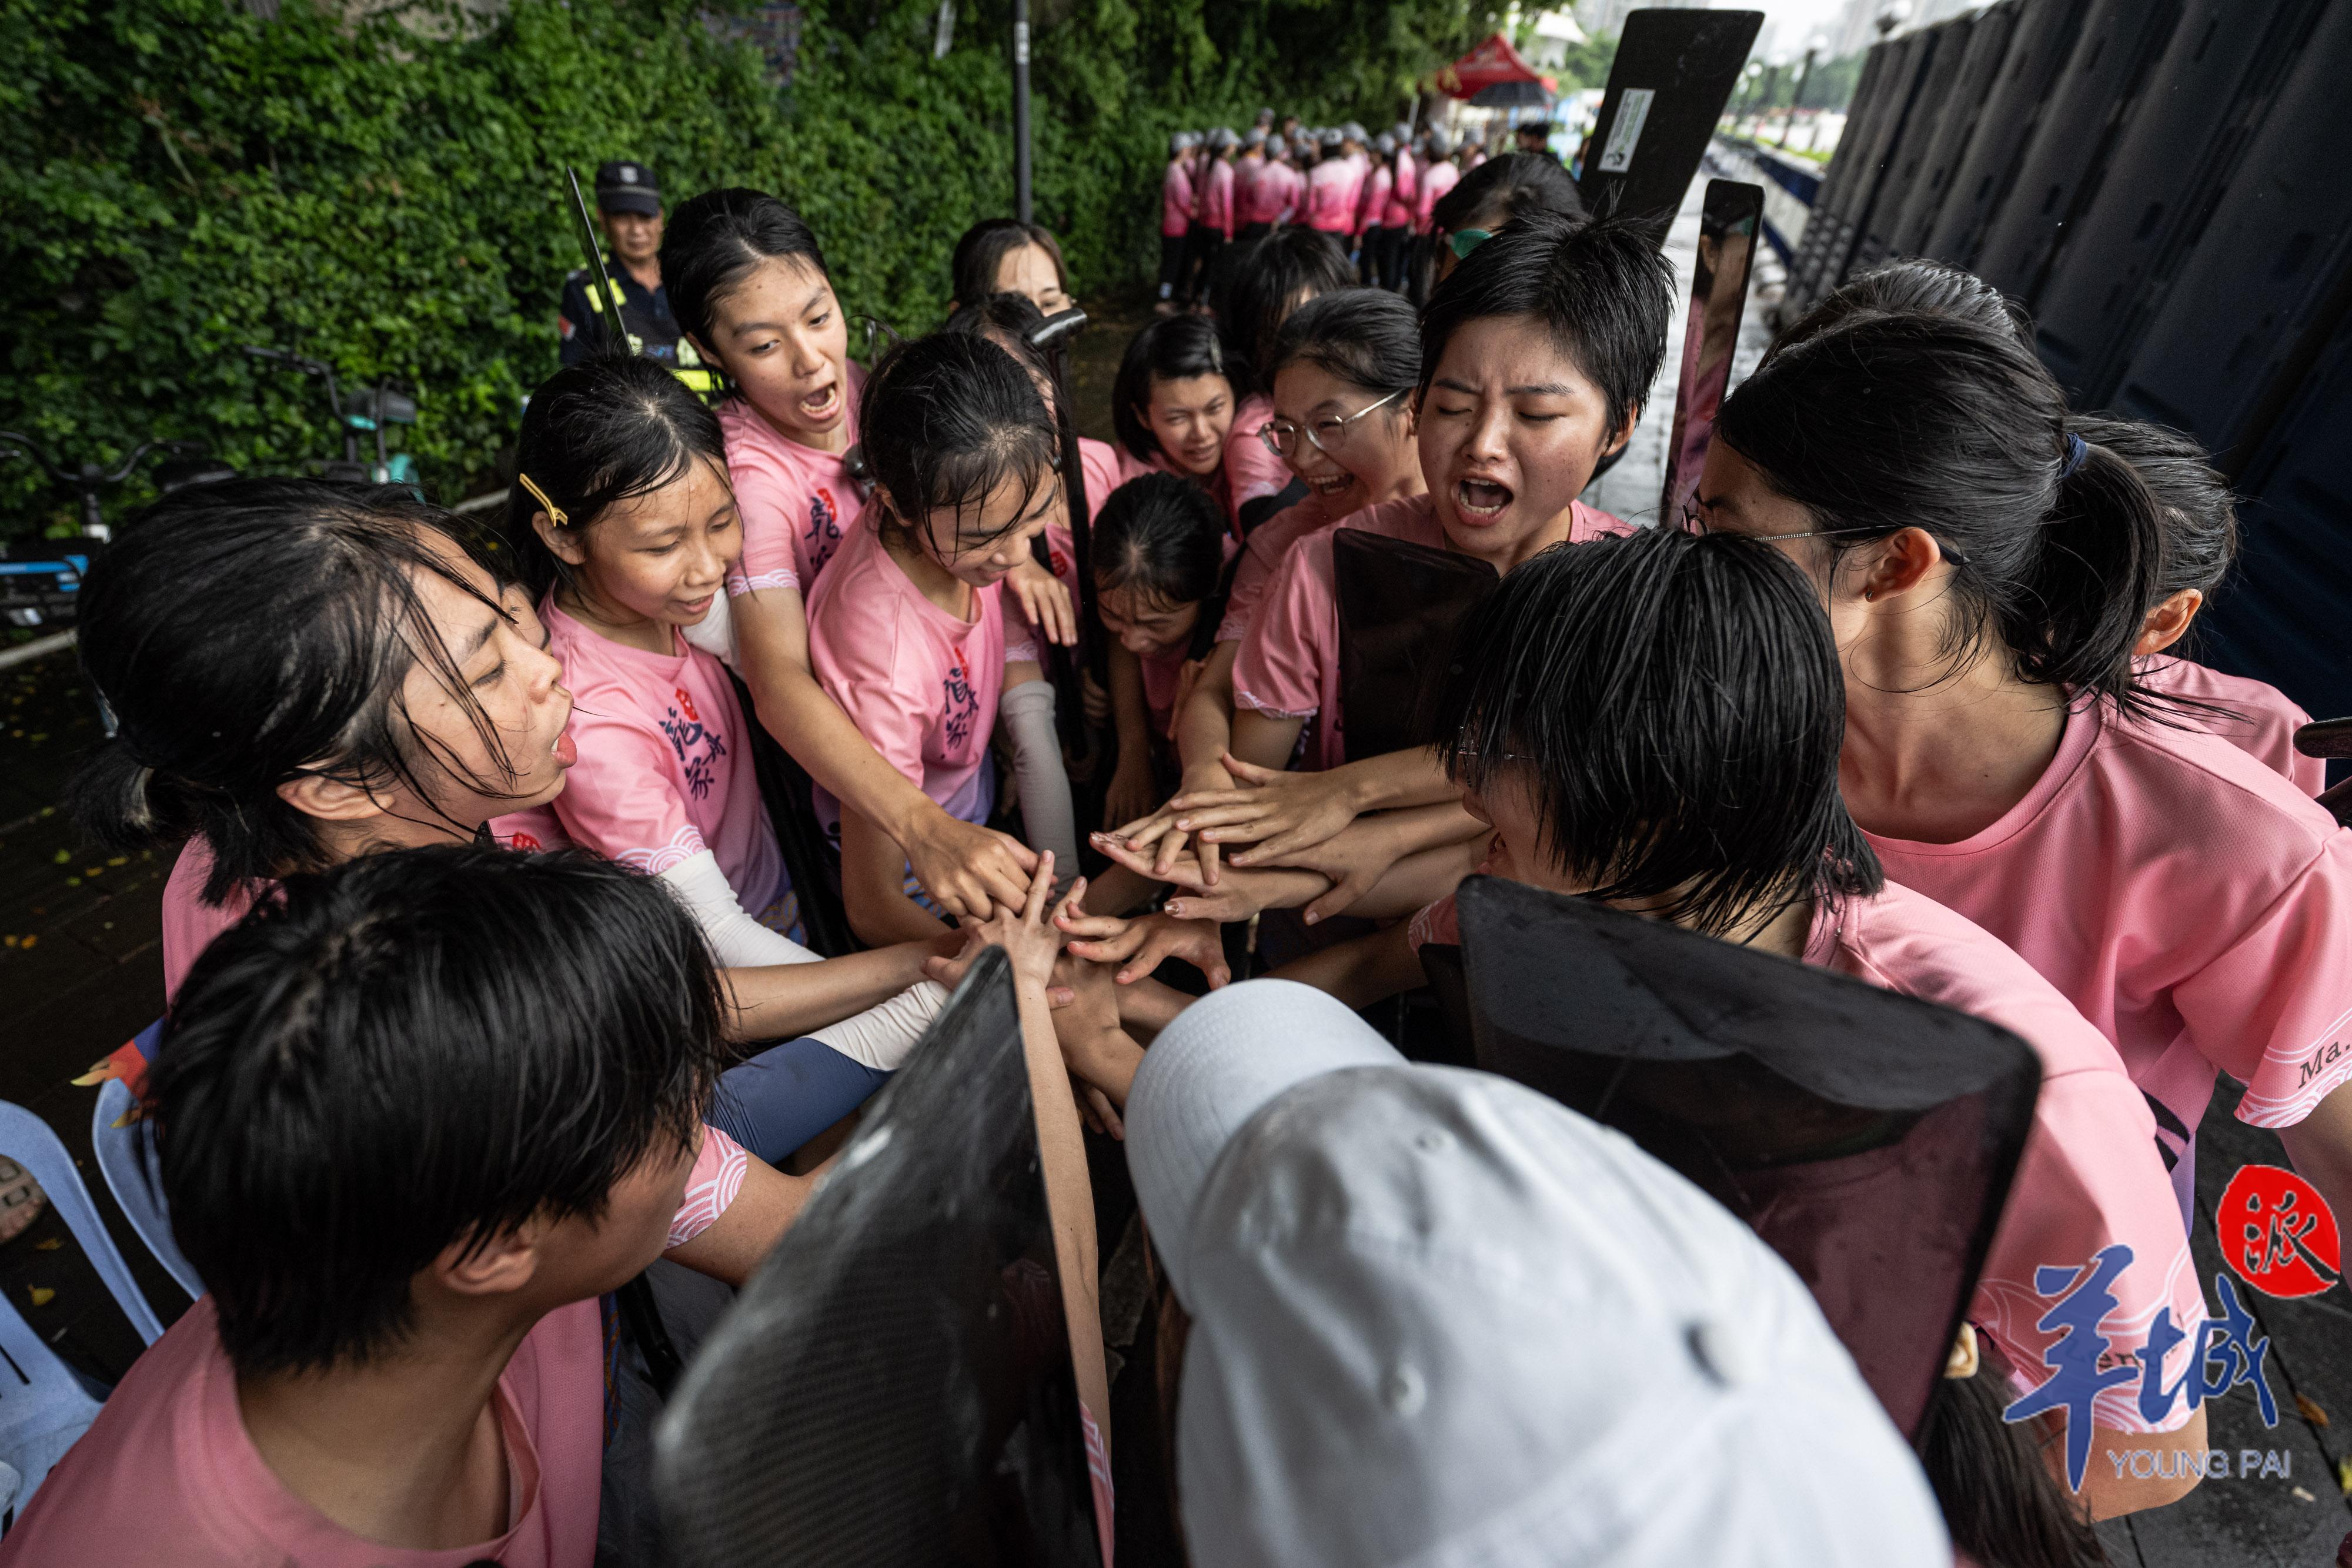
1537, 353
748, 283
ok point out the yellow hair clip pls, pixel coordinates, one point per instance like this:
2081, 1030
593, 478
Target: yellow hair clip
555, 514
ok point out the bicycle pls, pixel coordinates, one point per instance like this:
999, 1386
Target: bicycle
367, 410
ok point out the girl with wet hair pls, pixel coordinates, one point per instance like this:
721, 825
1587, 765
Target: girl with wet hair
1988, 571
1496, 192
748, 282
1654, 722
908, 629
1005, 256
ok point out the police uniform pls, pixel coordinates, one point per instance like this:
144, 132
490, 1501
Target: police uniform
653, 331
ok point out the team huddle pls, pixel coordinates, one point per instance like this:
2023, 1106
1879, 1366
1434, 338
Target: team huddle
492, 982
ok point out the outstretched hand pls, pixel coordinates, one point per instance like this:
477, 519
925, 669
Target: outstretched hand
1028, 937
1140, 945
1279, 813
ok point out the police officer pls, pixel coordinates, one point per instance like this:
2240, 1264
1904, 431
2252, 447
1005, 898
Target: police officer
629, 204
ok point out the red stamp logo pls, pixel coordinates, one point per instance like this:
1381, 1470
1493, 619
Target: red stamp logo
2277, 1233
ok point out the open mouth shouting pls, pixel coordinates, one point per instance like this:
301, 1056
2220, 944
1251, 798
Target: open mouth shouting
1328, 484
822, 405
1481, 498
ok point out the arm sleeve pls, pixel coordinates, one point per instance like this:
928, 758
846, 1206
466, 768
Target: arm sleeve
1038, 775
882, 1035
718, 1175
738, 941
2275, 1008
771, 523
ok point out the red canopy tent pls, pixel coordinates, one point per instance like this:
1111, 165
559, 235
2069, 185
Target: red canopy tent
1492, 63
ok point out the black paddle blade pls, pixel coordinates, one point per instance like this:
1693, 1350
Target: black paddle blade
1869, 1138
895, 1385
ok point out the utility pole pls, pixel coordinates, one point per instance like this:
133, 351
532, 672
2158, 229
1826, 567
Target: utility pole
1804, 75
1022, 204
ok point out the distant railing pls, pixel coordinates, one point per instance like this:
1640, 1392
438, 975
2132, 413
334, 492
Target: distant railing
1791, 185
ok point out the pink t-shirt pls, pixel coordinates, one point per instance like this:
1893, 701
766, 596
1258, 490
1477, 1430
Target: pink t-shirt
1264, 190
1372, 197
1331, 196
2190, 902
2090, 1175
796, 500
1294, 194
921, 684
2260, 721
1288, 666
1435, 180
1252, 473
1261, 555
1397, 212
190, 923
167, 1477
1217, 205
1176, 197
665, 769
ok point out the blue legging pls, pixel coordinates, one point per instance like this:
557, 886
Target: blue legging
789, 1093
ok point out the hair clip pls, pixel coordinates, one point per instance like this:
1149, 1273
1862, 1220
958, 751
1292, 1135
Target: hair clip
555, 514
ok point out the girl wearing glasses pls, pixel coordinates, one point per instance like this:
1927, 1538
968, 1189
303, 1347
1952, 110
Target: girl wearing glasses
1986, 571
1275, 276
1340, 421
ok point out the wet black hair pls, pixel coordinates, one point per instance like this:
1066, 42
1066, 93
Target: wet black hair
1912, 286
1504, 189
246, 632
710, 242
597, 433
1999, 1499
1885, 422
2198, 511
947, 420
1600, 289
1006, 320
1367, 338
1162, 536
1172, 349
981, 253
1674, 707
416, 1050
1253, 293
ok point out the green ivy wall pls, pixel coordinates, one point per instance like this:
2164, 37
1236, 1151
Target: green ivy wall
182, 177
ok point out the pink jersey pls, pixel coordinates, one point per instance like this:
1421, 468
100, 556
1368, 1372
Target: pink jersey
1267, 548
921, 684
795, 499
665, 769
1294, 194
2190, 902
1252, 473
1217, 205
1372, 196
1435, 180
1176, 197
1265, 192
1331, 196
167, 1477
1288, 666
190, 923
1396, 213
2260, 720
2090, 1176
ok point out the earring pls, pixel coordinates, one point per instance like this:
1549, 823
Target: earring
1869, 594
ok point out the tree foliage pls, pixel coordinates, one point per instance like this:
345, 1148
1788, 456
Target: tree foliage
382, 189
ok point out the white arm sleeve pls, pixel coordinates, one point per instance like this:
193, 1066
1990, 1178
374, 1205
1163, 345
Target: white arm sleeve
1043, 786
738, 941
879, 1037
714, 632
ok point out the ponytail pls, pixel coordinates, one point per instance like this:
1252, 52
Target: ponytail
1882, 423
2100, 556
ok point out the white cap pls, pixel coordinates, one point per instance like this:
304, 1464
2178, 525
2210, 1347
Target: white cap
1441, 1319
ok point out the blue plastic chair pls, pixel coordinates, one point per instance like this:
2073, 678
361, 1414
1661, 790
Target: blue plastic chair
43, 1406
123, 1147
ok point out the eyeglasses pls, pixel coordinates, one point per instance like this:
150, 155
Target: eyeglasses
1694, 521
1281, 436
1468, 241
